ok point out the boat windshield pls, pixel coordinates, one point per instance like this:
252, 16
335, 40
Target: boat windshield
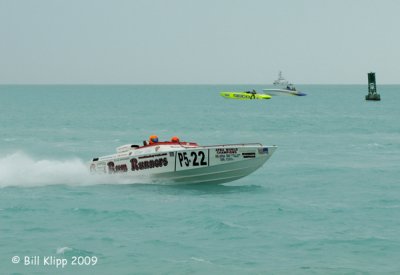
291, 87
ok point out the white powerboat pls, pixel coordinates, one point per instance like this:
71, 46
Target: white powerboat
283, 87
183, 162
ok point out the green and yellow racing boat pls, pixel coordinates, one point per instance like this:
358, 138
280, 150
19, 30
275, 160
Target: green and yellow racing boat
245, 95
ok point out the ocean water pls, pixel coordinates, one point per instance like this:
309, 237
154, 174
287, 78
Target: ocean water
327, 202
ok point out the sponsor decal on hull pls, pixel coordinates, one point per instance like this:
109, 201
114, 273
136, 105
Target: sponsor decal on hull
248, 155
148, 164
135, 165
227, 154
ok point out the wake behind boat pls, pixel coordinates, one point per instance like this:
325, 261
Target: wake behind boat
175, 162
283, 87
245, 95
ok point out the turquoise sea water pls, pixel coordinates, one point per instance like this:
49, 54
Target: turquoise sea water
327, 202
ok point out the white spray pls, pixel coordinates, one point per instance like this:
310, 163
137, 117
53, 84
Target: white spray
19, 169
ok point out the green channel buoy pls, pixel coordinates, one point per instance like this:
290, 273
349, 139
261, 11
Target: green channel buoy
372, 94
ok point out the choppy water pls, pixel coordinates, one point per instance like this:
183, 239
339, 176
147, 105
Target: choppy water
328, 200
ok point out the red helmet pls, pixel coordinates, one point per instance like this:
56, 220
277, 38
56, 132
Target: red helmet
174, 139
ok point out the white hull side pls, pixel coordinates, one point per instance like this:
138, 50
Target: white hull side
213, 174
190, 166
275, 92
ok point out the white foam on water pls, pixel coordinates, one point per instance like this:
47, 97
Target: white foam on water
19, 169
62, 250
200, 260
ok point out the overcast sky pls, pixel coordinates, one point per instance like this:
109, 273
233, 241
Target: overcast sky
198, 42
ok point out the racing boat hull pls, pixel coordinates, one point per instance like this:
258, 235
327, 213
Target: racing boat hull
184, 163
244, 95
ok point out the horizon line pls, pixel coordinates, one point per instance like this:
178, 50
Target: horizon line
176, 84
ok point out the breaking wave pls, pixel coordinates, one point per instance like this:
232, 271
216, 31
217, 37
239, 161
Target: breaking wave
19, 169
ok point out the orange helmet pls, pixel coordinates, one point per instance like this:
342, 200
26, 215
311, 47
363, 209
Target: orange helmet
153, 139
174, 139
